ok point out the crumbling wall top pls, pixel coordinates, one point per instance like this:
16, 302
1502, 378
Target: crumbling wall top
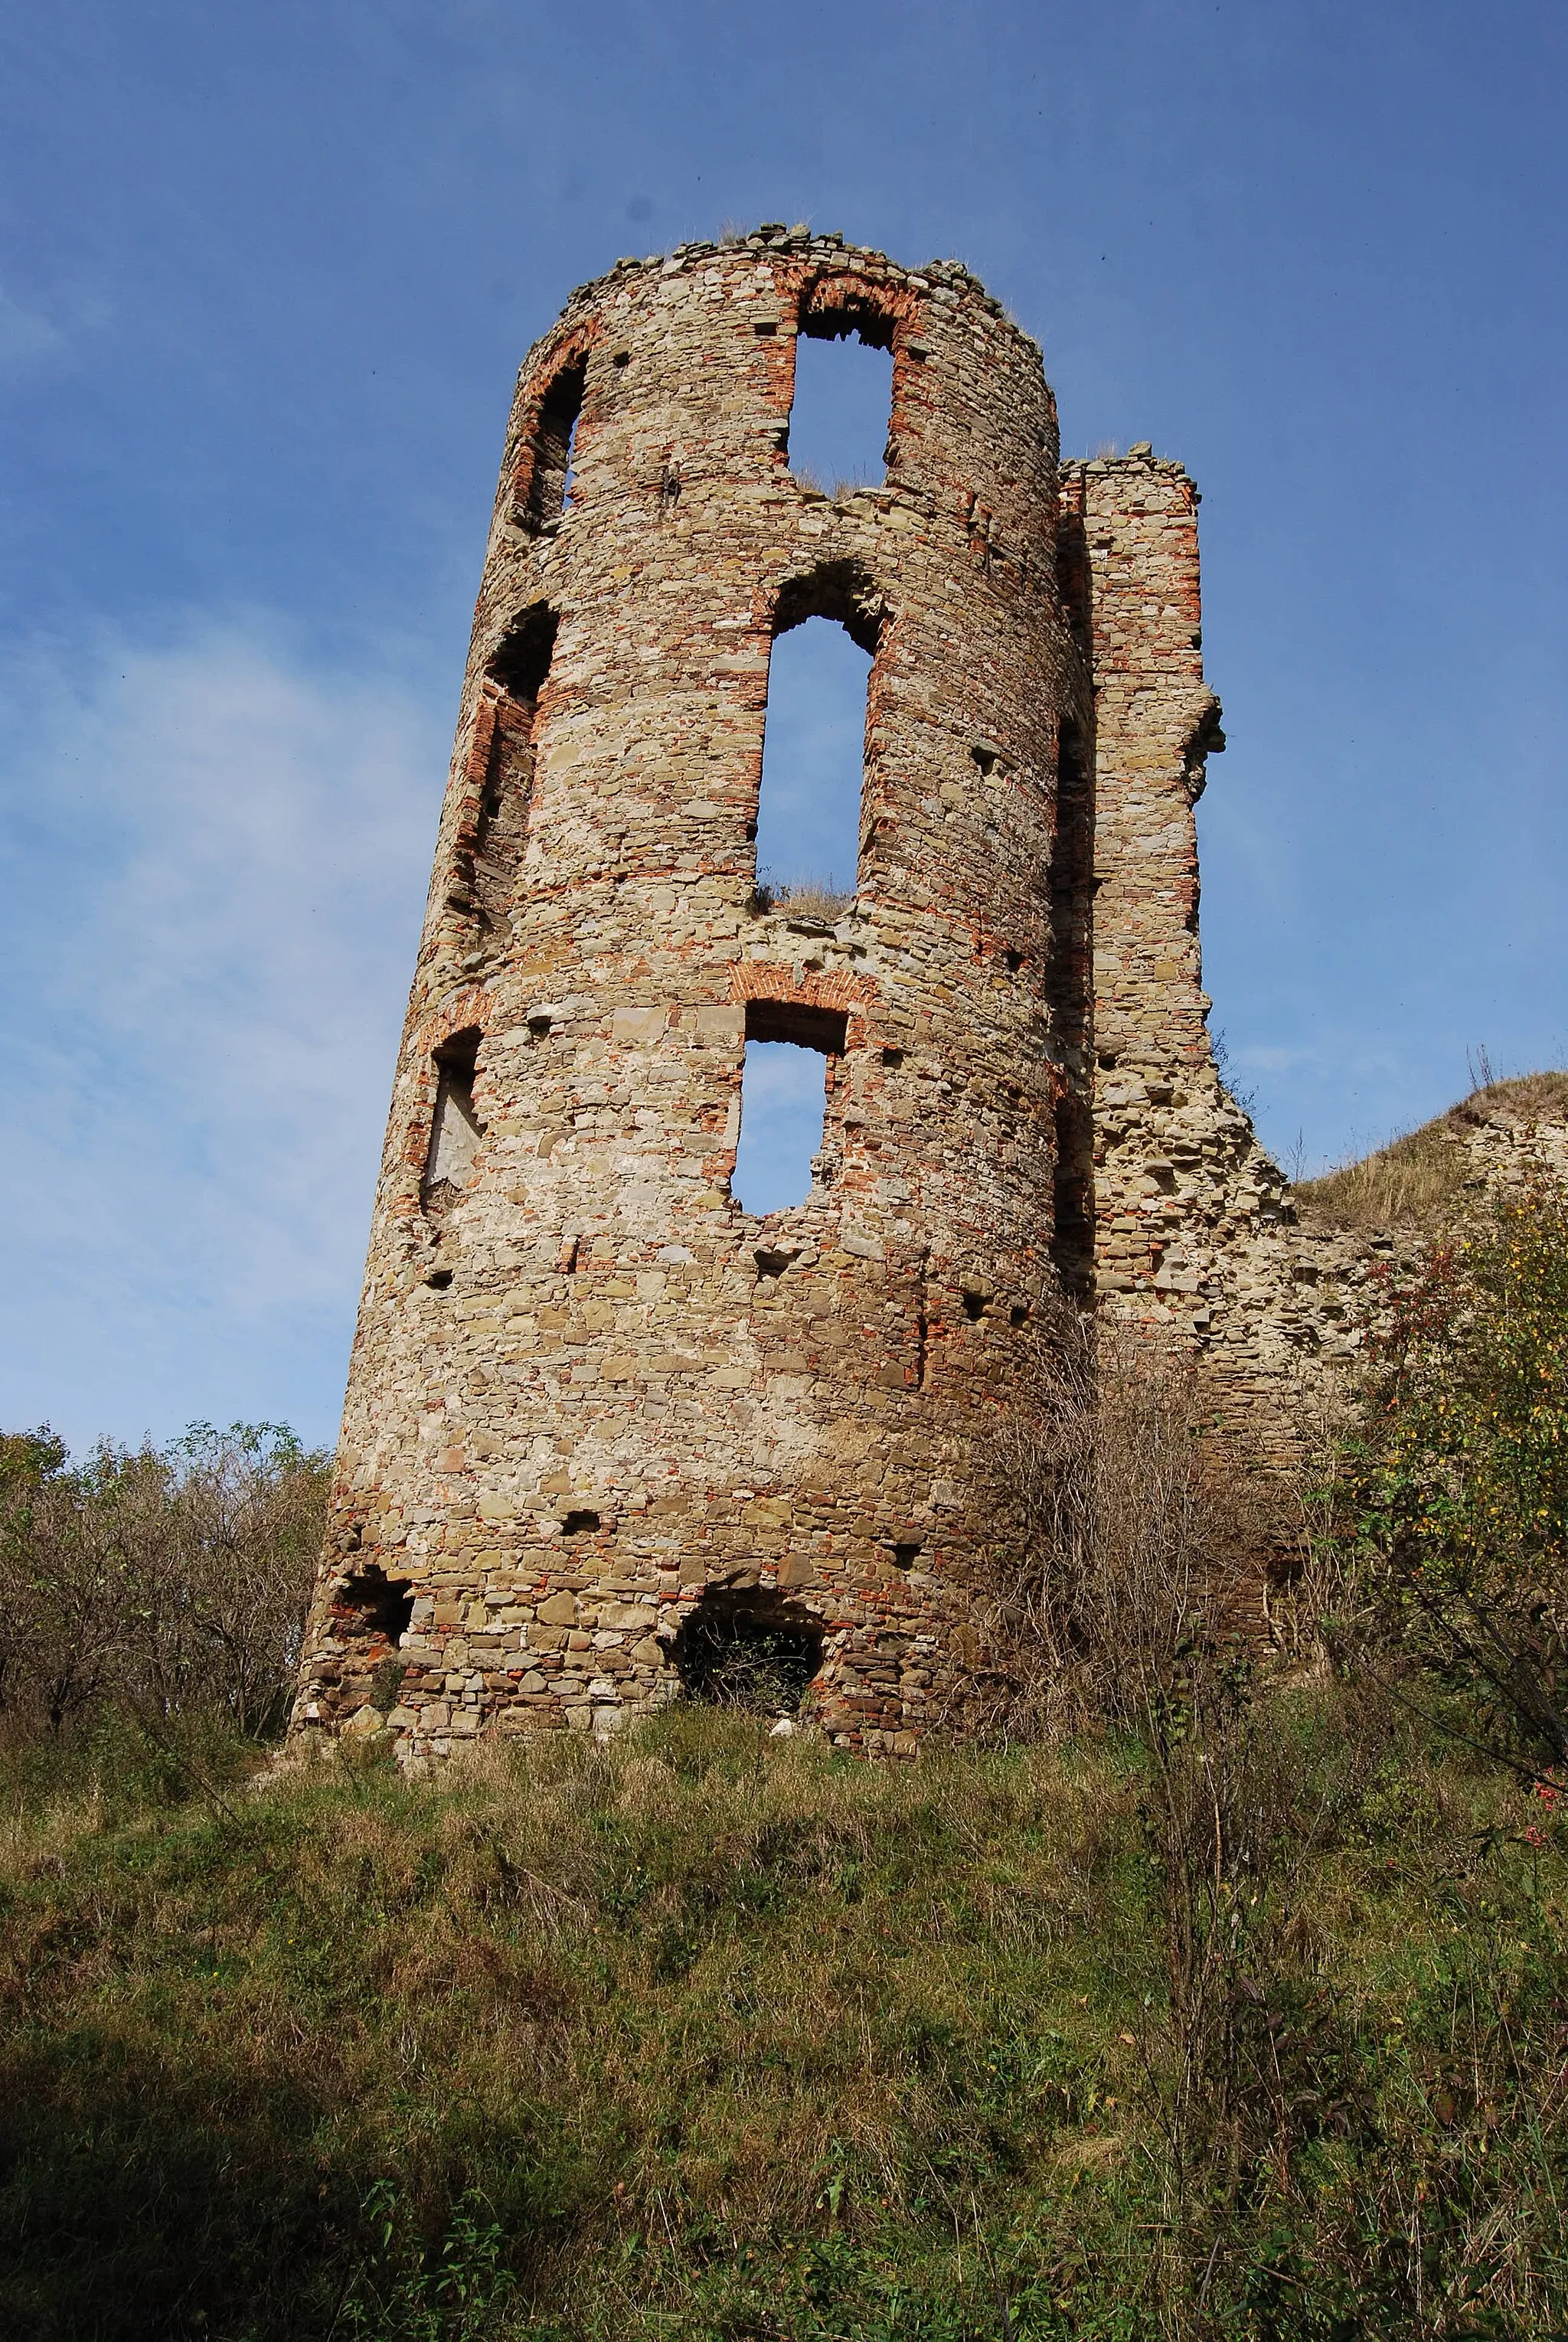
775, 241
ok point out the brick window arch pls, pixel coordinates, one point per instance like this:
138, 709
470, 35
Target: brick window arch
545, 473
494, 828
841, 431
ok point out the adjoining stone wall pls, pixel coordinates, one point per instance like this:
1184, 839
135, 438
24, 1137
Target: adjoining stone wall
1198, 1234
589, 1393
1183, 1191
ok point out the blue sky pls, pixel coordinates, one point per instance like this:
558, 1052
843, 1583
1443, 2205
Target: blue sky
265, 278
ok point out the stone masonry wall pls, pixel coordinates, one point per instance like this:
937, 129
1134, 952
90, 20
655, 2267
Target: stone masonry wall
595, 1408
1198, 1236
1184, 1193
591, 1398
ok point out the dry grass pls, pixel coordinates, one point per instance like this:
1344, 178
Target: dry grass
804, 898
852, 484
1420, 1181
1144, 1521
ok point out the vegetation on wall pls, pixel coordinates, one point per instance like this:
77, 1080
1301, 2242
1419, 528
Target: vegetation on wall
1421, 1180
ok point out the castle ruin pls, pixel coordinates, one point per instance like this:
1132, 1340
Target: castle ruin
601, 1421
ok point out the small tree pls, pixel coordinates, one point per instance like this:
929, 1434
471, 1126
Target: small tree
1134, 1596
1456, 1489
61, 1599
1143, 1523
172, 1583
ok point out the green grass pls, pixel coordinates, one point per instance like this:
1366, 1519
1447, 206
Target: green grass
704, 2036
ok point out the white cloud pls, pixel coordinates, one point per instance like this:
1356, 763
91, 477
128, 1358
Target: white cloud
217, 855
34, 332
25, 335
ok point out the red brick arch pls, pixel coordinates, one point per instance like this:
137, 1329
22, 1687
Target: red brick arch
853, 995
472, 1006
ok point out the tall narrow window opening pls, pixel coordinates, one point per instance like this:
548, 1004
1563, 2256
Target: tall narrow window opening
840, 416
791, 1056
809, 812
814, 765
554, 444
455, 1129
514, 681
1070, 992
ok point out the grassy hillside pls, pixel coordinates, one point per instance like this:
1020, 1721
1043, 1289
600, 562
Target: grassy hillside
1418, 1181
705, 2034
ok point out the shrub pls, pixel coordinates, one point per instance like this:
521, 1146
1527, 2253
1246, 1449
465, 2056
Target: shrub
1454, 1493
1145, 1526
171, 1583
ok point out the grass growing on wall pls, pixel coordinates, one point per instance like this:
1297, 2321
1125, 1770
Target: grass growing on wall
701, 2034
1419, 1181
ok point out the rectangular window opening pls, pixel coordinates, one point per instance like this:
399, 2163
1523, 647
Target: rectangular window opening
455, 1129
841, 418
790, 1049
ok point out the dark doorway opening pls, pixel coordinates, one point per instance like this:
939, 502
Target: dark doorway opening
748, 1649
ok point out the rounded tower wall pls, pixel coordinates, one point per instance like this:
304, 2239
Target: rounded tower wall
589, 1392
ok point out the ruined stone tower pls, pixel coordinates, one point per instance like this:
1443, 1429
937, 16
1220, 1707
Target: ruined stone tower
599, 1417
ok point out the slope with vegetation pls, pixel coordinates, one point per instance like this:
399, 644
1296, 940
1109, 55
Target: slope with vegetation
1223, 1994
1429, 1176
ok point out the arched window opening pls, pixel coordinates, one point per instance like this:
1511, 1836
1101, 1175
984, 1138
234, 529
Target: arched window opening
813, 767
514, 681
749, 1649
841, 417
455, 1129
791, 1053
554, 444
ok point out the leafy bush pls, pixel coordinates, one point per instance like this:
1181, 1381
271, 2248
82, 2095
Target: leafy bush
1455, 1493
170, 1583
